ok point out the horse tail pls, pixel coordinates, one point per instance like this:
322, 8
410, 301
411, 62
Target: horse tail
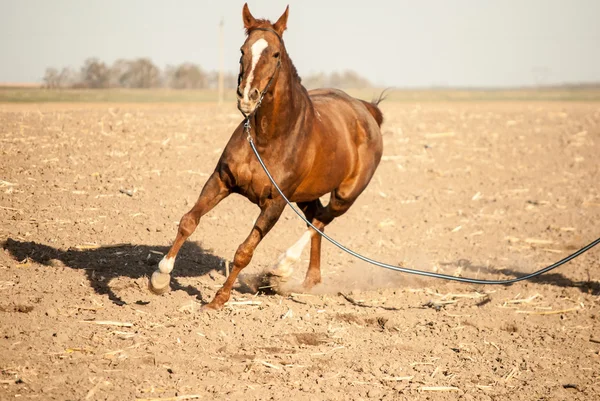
374, 109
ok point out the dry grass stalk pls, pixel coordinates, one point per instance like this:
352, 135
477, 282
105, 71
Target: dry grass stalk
267, 364
6, 284
441, 303
293, 298
511, 374
536, 241
522, 300
398, 378
492, 344
230, 303
551, 250
77, 349
471, 295
123, 334
93, 390
364, 305
7, 184
550, 312
189, 307
332, 376
87, 247
11, 209
108, 323
386, 223
110, 354
177, 398
441, 388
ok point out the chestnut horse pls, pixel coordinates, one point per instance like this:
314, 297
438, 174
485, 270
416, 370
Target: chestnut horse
314, 143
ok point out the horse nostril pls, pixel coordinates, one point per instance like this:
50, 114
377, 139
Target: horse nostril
254, 94
239, 92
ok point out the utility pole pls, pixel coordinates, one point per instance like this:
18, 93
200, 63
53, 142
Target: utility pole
221, 88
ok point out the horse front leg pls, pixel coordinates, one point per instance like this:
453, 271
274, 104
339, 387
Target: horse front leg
213, 192
269, 215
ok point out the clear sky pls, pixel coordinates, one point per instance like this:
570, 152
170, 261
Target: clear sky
401, 43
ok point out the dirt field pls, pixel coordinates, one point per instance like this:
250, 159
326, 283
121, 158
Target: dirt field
90, 197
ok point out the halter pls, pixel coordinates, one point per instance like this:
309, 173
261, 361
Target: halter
266, 30
264, 92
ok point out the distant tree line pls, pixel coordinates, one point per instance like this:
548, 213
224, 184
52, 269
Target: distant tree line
143, 73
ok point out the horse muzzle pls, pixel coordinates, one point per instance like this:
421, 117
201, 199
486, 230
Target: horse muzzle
246, 107
248, 102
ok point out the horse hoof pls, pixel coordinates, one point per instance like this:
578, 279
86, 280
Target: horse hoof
159, 282
309, 283
211, 308
280, 285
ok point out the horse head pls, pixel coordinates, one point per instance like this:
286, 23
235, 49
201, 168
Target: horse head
261, 57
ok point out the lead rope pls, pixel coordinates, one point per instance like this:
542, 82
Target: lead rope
561, 262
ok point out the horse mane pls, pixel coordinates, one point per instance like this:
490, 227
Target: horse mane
265, 23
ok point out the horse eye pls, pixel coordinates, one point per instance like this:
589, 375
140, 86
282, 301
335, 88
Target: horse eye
276, 55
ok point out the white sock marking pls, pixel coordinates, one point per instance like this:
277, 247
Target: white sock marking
284, 264
166, 265
257, 49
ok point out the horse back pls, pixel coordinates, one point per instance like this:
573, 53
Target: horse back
339, 114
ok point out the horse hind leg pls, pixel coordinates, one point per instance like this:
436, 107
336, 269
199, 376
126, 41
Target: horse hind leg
341, 200
283, 267
319, 216
313, 274
339, 204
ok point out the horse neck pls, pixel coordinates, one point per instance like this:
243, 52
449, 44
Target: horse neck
279, 113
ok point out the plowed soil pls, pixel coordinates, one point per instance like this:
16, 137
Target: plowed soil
90, 198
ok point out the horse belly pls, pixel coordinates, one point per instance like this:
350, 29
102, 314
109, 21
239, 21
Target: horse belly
324, 177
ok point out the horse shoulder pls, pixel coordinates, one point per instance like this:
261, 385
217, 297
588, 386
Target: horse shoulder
233, 163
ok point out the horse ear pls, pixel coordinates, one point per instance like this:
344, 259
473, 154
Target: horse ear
249, 20
281, 23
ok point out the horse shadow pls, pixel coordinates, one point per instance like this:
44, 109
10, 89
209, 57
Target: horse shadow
553, 278
105, 263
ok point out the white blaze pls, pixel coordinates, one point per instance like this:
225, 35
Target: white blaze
283, 267
256, 50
